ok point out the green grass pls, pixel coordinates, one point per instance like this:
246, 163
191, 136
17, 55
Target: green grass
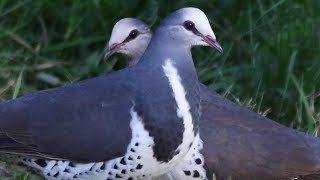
271, 61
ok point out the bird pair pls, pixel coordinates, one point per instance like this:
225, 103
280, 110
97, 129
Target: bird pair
144, 121
138, 123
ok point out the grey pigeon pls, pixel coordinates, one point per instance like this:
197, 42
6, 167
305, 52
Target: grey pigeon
136, 123
239, 143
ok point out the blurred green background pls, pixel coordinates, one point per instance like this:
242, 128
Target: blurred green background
271, 62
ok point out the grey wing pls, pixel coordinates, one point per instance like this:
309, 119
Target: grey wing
256, 147
83, 122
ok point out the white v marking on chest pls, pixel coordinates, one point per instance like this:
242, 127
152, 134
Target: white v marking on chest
183, 107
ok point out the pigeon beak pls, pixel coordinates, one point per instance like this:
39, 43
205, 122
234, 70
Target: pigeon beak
212, 42
114, 48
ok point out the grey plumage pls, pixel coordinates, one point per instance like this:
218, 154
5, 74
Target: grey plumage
244, 145
59, 123
67, 123
241, 144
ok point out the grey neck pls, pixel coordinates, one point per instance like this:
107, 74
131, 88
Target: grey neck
135, 57
162, 47
133, 61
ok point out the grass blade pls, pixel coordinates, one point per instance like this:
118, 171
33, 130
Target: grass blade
304, 99
18, 85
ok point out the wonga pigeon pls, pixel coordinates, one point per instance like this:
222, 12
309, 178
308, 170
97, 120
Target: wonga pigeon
237, 142
136, 123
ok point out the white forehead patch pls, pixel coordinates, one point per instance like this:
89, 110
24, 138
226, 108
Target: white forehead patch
123, 27
200, 20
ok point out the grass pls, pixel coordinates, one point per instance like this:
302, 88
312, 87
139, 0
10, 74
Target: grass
271, 61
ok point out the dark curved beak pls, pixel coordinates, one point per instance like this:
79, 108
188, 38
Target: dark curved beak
212, 42
114, 48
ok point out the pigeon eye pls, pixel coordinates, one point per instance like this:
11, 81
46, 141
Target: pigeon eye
133, 34
189, 25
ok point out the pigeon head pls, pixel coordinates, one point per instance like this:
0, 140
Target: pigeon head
126, 36
191, 26
136, 47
